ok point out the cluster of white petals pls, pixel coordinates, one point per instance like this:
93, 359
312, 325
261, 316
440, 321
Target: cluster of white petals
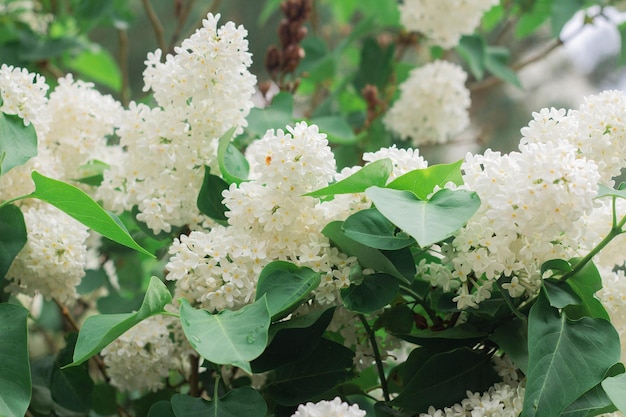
23, 93
324, 408
142, 357
201, 92
52, 262
443, 22
432, 106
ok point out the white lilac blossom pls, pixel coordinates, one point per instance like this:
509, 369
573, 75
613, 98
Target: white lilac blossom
143, 357
325, 408
202, 90
23, 93
52, 261
443, 22
433, 104
532, 203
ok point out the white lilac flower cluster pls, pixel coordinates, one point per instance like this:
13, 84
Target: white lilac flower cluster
71, 127
201, 92
443, 22
142, 357
52, 262
501, 400
324, 408
432, 106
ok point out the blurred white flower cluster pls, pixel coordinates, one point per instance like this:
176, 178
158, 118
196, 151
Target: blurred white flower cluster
432, 106
201, 92
443, 22
324, 408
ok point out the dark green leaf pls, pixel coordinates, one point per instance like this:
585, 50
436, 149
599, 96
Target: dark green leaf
422, 182
376, 65
293, 339
397, 319
565, 358
277, 115
104, 400
562, 12
228, 337
15, 382
428, 222
593, 402
512, 338
560, 294
83, 208
318, 63
71, 388
472, 49
327, 367
162, 408
285, 285
100, 330
372, 229
444, 379
496, 62
18, 143
244, 401
453, 337
233, 164
375, 292
585, 284
368, 257
210, 197
375, 173
12, 236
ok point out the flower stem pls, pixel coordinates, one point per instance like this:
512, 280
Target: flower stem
377, 358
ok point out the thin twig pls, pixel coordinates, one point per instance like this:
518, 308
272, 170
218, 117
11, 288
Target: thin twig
180, 24
124, 67
156, 25
377, 358
194, 380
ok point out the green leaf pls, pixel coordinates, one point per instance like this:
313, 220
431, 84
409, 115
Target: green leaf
244, 401
318, 63
337, 129
450, 338
210, 198
531, 19
278, 114
285, 286
604, 191
592, 403
444, 378
12, 236
292, 340
375, 292
428, 222
228, 337
615, 388
233, 165
496, 62
561, 13
560, 294
565, 358
104, 399
269, 8
96, 64
100, 330
83, 208
327, 367
375, 173
368, 257
472, 49
162, 408
422, 182
92, 173
15, 382
18, 143
71, 388
622, 36
372, 229
585, 284
512, 338
376, 65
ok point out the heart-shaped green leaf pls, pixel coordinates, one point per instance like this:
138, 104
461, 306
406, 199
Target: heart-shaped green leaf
375, 173
428, 222
421, 182
372, 229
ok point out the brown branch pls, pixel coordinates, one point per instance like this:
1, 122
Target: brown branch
124, 67
156, 25
194, 380
180, 23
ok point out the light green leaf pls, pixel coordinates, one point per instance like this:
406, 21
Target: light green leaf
233, 164
92, 173
422, 182
375, 292
244, 401
15, 383
277, 115
428, 222
562, 12
337, 129
12, 236
96, 64
100, 330
565, 358
604, 191
372, 229
83, 208
18, 143
472, 49
533, 17
368, 257
375, 173
496, 62
622, 36
615, 388
285, 285
228, 337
